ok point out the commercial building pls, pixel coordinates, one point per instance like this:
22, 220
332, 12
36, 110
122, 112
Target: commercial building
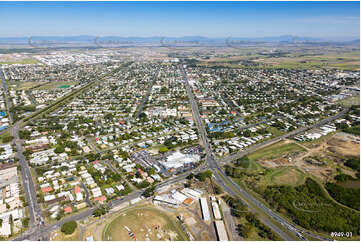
216, 212
221, 230
205, 210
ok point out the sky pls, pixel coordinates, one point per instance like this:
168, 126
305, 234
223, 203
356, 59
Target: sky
176, 19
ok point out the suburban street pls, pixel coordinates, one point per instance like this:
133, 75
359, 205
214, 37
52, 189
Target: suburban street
251, 201
276, 139
39, 231
145, 99
42, 233
5, 89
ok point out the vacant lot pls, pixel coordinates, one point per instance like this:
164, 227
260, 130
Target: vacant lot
343, 145
144, 223
275, 151
285, 176
355, 100
25, 85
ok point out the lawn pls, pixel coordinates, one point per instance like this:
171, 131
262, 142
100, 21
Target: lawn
145, 223
23, 61
275, 151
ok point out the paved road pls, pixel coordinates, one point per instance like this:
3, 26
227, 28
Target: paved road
42, 232
212, 164
274, 140
231, 187
35, 213
145, 100
117, 172
5, 89
31, 96
94, 147
87, 200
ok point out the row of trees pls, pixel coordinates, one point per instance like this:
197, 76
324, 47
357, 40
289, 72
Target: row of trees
252, 224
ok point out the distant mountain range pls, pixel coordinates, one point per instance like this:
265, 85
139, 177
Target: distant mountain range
94, 40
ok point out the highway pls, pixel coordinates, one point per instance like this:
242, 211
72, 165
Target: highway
230, 187
212, 164
35, 213
39, 231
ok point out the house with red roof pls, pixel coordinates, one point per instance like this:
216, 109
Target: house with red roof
68, 209
46, 189
77, 189
100, 199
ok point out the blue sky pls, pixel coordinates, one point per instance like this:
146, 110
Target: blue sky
212, 19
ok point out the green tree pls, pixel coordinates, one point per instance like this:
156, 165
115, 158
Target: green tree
59, 149
149, 191
163, 149
69, 227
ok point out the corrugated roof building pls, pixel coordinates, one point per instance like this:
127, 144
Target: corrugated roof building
221, 230
205, 210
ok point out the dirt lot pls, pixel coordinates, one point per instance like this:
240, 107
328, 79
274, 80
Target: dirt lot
291, 177
344, 144
322, 159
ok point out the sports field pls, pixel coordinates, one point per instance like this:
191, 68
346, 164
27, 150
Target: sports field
144, 223
57, 84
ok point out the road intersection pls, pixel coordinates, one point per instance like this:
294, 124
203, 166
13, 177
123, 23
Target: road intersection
287, 231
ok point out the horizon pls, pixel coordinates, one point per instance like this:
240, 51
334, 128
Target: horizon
181, 19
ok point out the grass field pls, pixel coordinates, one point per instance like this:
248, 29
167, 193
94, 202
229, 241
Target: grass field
145, 223
56, 84
24, 61
275, 151
25, 85
284, 176
342, 61
299, 60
